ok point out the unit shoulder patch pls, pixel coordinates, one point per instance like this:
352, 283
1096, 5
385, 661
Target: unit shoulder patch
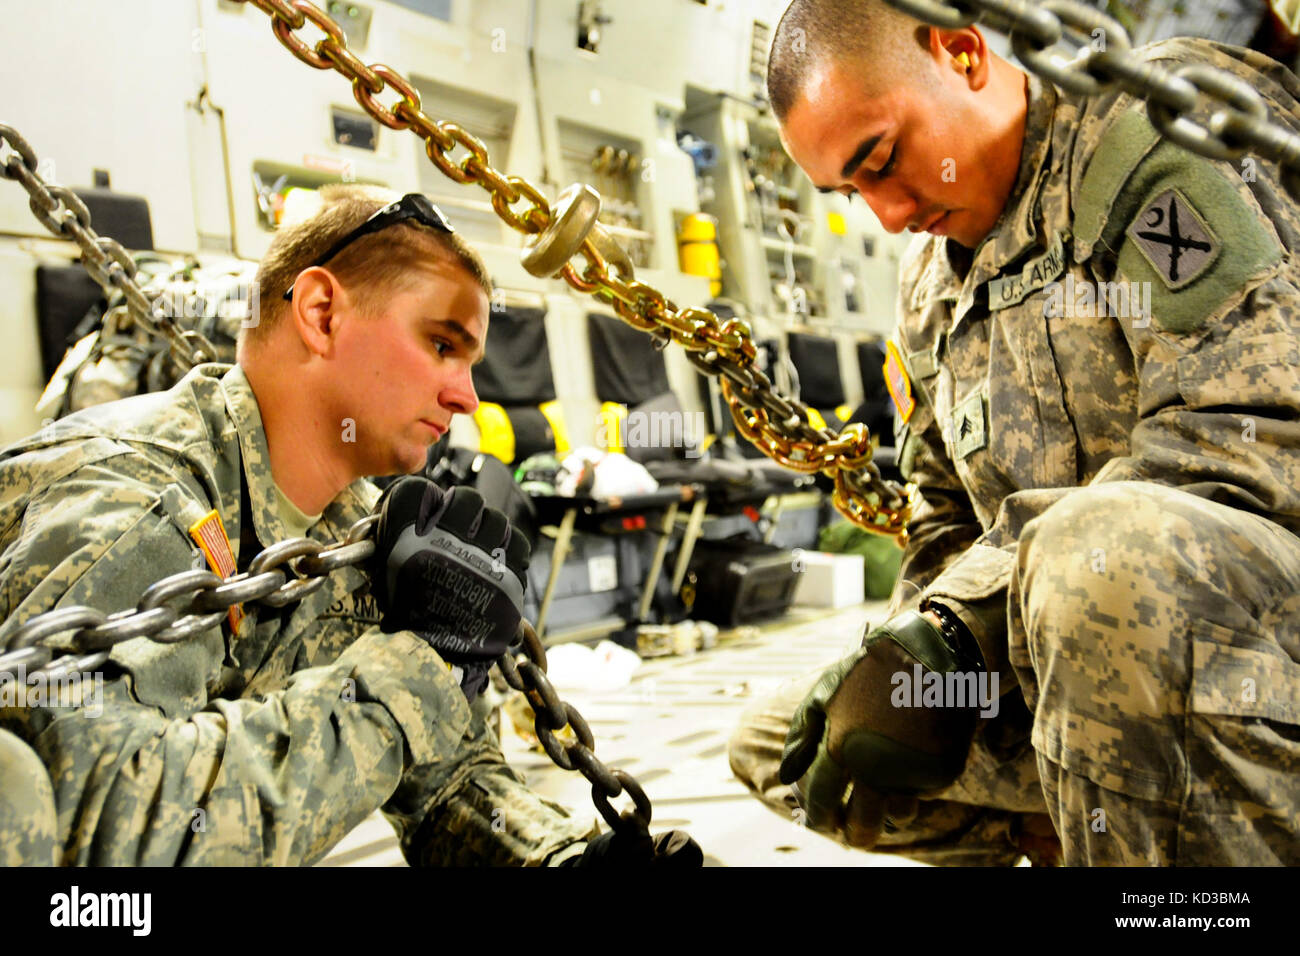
1174, 238
1194, 237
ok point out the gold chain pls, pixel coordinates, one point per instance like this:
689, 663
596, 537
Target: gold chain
778, 426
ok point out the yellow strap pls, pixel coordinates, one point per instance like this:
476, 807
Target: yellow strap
496, 434
612, 415
555, 417
815, 418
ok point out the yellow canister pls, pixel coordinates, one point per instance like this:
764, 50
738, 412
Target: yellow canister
697, 249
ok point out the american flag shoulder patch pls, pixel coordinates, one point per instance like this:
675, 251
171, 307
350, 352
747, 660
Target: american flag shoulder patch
899, 385
210, 535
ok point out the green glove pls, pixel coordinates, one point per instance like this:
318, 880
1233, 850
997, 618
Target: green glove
857, 740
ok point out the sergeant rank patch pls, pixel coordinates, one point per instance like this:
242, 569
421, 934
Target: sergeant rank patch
1173, 237
969, 426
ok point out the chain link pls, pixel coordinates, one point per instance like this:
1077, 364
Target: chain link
60, 211
1238, 122
778, 426
525, 671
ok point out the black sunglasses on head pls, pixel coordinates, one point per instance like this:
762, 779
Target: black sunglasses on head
411, 206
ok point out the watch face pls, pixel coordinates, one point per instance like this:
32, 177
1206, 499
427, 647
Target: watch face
955, 634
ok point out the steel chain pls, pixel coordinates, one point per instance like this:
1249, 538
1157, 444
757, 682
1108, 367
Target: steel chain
181, 605
778, 426
1238, 122
60, 211
527, 674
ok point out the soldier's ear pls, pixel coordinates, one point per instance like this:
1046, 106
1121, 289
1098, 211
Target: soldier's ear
964, 51
314, 309
980, 60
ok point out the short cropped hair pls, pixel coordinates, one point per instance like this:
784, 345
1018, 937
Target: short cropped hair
886, 45
381, 262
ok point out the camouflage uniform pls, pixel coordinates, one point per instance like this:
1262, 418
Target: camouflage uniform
27, 816
1228, 21
1111, 503
262, 746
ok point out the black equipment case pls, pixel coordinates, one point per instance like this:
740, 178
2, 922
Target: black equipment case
739, 580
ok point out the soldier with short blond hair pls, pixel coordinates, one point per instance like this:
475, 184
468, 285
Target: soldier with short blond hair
270, 734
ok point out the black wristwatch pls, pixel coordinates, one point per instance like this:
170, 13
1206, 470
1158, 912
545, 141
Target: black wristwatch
956, 633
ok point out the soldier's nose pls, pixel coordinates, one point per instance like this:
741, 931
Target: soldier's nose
894, 214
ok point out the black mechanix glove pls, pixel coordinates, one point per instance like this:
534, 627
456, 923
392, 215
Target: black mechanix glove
859, 747
451, 569
672, 849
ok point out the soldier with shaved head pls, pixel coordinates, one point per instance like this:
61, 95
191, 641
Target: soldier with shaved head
1108, 486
